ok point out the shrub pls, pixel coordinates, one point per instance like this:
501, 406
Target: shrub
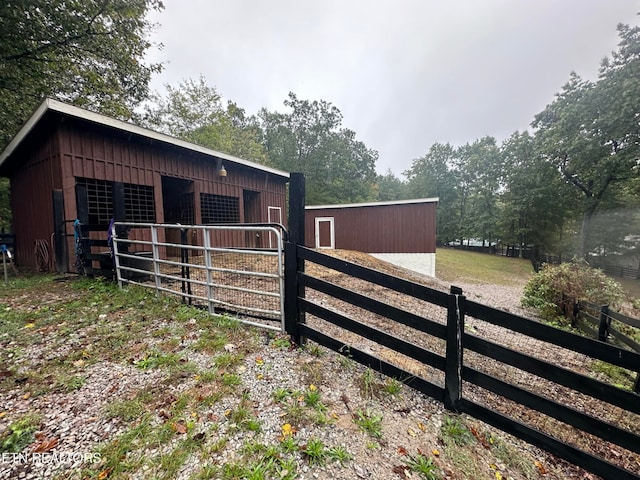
556, 288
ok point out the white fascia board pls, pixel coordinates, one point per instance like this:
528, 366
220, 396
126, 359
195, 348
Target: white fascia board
374, 204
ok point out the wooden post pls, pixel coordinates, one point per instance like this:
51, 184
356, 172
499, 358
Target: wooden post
59, 231
292, 265
454, 357
605, 321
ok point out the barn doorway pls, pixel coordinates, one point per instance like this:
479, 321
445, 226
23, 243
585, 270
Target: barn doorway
178, 206
325, 232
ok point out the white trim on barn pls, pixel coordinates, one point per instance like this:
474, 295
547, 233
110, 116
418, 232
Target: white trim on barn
374, 204
332, 232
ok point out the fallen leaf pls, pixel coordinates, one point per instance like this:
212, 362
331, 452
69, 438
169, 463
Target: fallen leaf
45, 446
436, 452
402, 450
104, 474
411, 432
401, 471
179, 427
2, 414
540, 467
481, 438
498, 476
259, 361
422, 426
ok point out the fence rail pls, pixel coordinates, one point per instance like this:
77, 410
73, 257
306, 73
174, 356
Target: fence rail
444, 346
465, 383
217, 267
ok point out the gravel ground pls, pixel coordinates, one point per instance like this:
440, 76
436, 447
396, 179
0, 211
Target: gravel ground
77, 425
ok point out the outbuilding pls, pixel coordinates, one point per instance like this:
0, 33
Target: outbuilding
401, 232
68, 163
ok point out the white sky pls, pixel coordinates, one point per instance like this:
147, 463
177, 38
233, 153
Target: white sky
404, 73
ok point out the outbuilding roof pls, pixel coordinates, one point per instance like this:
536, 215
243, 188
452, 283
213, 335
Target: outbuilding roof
51, 105
374, 204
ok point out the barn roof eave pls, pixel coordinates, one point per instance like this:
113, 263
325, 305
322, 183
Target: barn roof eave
374, 204
50, 104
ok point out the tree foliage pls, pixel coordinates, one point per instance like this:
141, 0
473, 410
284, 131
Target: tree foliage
193, 111
86, 52
309, 138
591, 132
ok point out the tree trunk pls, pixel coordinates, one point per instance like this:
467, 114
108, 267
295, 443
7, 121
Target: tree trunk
584, 233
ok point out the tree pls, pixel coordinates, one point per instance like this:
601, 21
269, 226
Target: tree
591, 132
86, 52
479, 170
193, 111
309, 139
534, 198
434, 175
389, 187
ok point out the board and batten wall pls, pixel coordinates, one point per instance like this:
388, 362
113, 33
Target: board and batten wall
402, 232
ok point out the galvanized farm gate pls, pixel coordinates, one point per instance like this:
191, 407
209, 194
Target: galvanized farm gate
237, 269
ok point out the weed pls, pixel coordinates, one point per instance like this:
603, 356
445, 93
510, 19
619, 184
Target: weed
281, 394
286, 469
368, 383
453, 430
392, 387
69, 383
288, 444
227, 359
314, 349
618, 376
157, 359
127, 410
312, 398
281, 343
19, 434
339, 454
314, 451
118, 456
423, 466
369, 422
231, 380
511, 457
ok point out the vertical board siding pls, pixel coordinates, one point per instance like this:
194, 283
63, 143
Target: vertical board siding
401, 228
72, 148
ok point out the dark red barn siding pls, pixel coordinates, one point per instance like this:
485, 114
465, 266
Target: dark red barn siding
63, 145
384, 227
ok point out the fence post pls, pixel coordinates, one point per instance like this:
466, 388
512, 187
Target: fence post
292, 265
603, 330
453, 361
184, 269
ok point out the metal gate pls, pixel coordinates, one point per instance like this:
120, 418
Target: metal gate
235, 269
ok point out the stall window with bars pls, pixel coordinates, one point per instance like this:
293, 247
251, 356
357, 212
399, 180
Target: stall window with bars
139, 203
219, 209
99, 199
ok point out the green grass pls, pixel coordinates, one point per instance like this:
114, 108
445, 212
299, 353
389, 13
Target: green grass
459, 265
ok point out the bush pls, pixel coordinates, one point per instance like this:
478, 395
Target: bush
556, 288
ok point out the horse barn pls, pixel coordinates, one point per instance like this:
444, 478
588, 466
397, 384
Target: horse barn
67, 163
402, 232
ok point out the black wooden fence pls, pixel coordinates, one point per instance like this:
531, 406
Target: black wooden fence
602, 323
468, 381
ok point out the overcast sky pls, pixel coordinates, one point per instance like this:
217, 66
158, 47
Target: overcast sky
404, 73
